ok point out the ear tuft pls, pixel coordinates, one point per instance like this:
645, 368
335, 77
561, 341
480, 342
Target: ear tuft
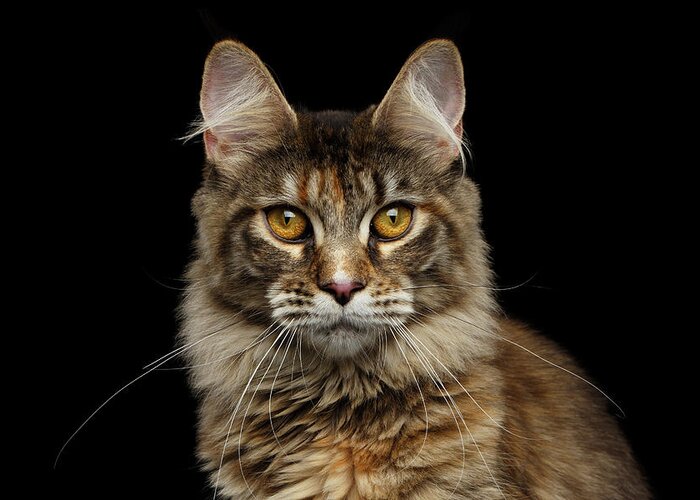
243, 109
424, 105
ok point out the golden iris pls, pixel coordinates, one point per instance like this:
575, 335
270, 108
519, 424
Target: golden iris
288, 223
392, 221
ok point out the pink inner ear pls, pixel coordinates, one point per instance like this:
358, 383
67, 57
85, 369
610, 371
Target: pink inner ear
448, 91
453, 109
439, 68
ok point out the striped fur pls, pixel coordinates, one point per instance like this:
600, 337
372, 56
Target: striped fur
417, 388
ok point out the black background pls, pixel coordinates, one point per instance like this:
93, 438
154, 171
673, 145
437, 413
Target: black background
558, 111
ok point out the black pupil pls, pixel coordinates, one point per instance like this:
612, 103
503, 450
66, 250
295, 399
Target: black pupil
393, 214
288, 216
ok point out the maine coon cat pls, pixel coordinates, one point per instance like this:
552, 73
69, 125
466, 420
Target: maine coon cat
340, 322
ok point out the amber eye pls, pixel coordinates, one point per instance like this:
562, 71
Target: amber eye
288, 223
392, 221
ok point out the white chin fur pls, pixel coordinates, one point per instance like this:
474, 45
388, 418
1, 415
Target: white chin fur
342, 342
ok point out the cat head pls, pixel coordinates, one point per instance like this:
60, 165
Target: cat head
339, 226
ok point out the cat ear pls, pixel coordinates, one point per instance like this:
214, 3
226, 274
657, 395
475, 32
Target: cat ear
423, 107
243, 109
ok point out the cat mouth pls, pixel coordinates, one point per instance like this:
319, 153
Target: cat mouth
341, 326
346, 324
350, 324
343, 334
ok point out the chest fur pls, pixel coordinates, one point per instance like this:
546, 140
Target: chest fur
339, 460
387, 447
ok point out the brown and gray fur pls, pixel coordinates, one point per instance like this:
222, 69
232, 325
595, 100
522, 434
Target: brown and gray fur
416, 388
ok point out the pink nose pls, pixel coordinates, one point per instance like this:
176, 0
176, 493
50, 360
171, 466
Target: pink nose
342, 292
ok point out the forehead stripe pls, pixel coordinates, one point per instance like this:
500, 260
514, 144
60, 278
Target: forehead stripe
337, 188
321, 182
379, 192
302, 190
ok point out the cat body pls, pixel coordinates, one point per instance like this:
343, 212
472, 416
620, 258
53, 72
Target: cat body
340, 323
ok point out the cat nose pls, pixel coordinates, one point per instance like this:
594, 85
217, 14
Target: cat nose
342, 291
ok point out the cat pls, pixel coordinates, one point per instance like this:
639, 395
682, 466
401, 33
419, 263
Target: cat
340, 324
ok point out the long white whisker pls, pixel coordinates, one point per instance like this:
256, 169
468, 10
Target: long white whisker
301, 365
235, 355
126, 386
478, 449
425, 407
235, 411
573, 374
383, 348
467, 286
250, 403
443, 392
187, 346
449, 372
483, 459
272, 388
294, 356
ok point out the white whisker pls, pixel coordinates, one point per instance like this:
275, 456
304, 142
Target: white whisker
284, 332
235, 355
191, 344
449, 372
164, 359
235, 411
450, 403
294, 355
478, 449
425, 407
272, 388
573, 374
467, 286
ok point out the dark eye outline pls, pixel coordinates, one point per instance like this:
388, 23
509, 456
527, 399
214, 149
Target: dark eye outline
385, 207
308, 231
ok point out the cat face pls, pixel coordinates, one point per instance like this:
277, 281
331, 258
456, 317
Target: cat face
335, 225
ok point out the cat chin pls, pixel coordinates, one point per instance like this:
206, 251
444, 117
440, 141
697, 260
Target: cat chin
342, 342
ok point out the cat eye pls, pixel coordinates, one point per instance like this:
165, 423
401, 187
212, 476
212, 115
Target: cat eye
392, 221
288, 223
